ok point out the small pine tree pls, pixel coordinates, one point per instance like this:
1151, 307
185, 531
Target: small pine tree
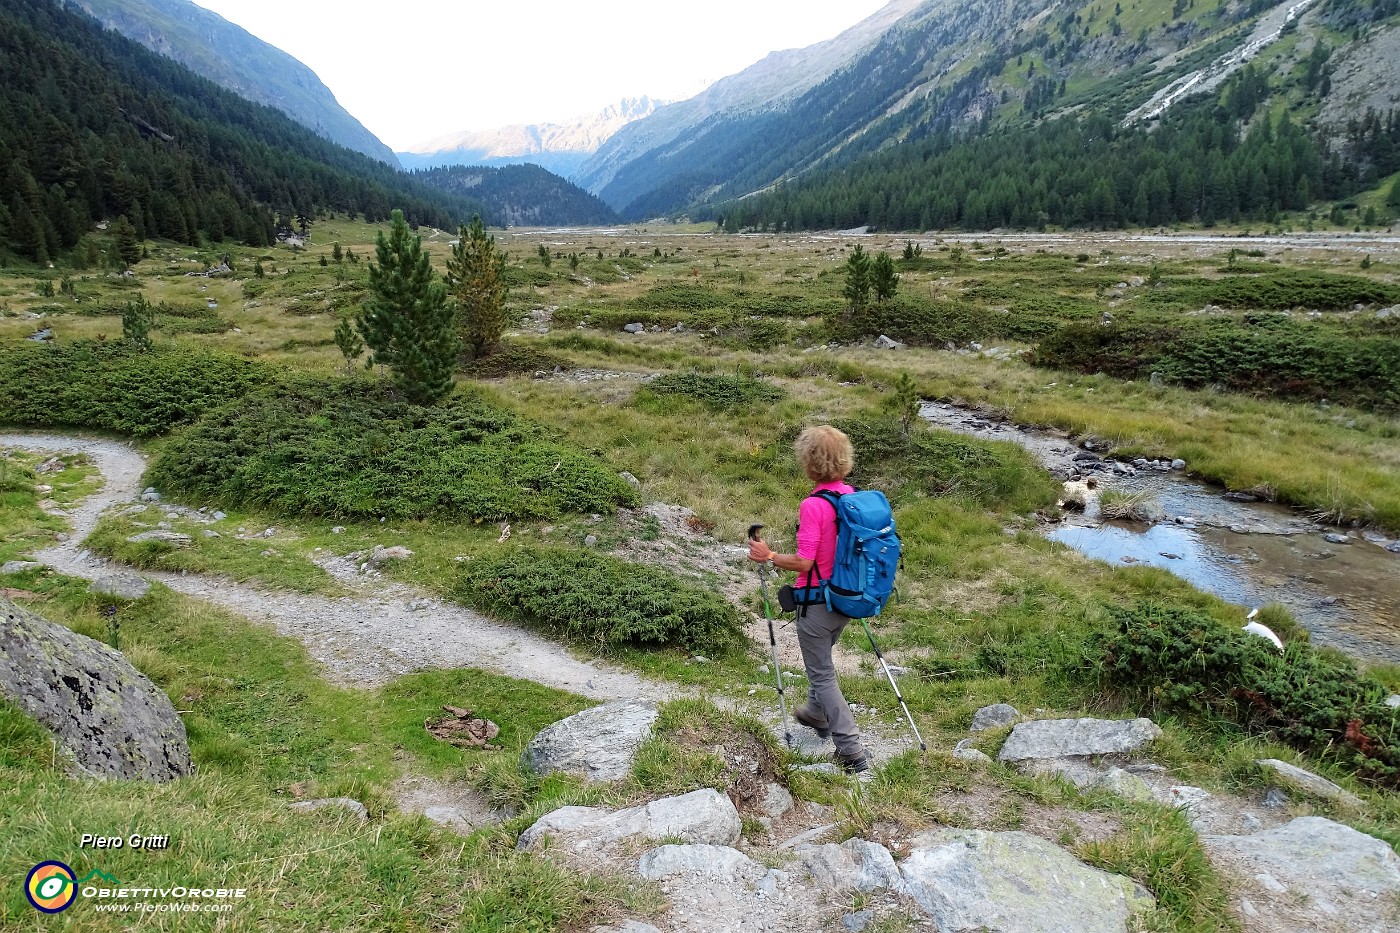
544, 255
573, 262
137, 320
883, 278
476, 275
349, 342
336, 254
406, 321
1365, 262
857, 288
128, 246
258, 271
323, 261
903, 401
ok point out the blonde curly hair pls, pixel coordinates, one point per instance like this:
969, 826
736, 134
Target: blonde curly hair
825, 453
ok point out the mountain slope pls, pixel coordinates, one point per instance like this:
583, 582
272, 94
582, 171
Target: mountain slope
231, 57
94, 126
559, 147
958, 65
521, 195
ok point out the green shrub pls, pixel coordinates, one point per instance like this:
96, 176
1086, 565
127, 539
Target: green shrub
119, 387
934, 323
993, 474
1246, 288
509, 359
715, 391
1315, 700
354, 448
598, 599
1267, 354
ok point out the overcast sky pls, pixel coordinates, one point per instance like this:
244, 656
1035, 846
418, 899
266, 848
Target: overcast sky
416, 69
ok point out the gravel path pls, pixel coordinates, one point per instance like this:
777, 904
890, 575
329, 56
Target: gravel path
363, 640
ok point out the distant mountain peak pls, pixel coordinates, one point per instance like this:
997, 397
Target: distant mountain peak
559, 147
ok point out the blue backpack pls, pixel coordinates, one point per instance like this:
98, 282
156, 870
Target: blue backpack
867, 554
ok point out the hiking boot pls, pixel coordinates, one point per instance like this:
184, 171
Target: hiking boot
855, 762
811, 720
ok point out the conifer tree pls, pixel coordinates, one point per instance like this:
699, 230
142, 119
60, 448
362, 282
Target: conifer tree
406, 320
137, 320
476, 276
857, 288
883, 279
128, 247
349, 342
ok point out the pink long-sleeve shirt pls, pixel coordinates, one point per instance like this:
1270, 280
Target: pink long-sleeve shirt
816, 531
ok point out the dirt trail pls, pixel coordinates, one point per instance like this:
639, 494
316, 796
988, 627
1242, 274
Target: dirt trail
364, 640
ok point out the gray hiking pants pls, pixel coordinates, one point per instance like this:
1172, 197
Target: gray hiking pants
817, 634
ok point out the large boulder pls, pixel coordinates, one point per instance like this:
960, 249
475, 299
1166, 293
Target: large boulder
1014, 882
598, 744
702, 816
1312, 873
1075, 738
105, 713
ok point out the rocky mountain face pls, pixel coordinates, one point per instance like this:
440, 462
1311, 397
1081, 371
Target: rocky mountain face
233, 58
559, 147
919, 70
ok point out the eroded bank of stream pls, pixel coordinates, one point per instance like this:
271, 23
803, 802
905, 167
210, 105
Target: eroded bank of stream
1249, 553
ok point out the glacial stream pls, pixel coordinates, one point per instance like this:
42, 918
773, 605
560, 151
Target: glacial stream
1347, 594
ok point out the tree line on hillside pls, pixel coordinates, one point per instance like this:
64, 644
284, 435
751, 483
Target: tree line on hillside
1196, 166
522, 195
94, 126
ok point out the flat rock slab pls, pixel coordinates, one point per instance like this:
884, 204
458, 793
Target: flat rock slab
1073, 738
20, 566
105, 713
701, 816
126, 586
1311, 874
173, 538
598, 744
1307, 782
706, 861
970, 880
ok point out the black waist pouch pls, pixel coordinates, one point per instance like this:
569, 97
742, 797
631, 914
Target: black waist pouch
792, 597
786, 599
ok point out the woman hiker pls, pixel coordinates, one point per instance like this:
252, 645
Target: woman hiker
826, 456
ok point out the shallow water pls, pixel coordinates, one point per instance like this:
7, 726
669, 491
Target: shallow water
1248, 553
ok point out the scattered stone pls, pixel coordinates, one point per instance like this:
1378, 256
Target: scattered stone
966, 752
338, 530
210, 533
598, 744
382, 555
52, 465
1275, 799
709, 861
776, 801
806, 836
590, 540
107, 716
858, 921
1308, 783
20, 566
150, 495
885, 343
354, 807
821, 767
630, 480
1178, 464
1069, 738
173, 538
702, 816
994, 717
1393, 547
219, 516
855, 864
1327, 876
1240, 497
974, 880
1334, 538
121, 585
634, 328
627, 926
1393, 700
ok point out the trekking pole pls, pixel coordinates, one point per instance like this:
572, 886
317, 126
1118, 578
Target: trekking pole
772, 640
899, 696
